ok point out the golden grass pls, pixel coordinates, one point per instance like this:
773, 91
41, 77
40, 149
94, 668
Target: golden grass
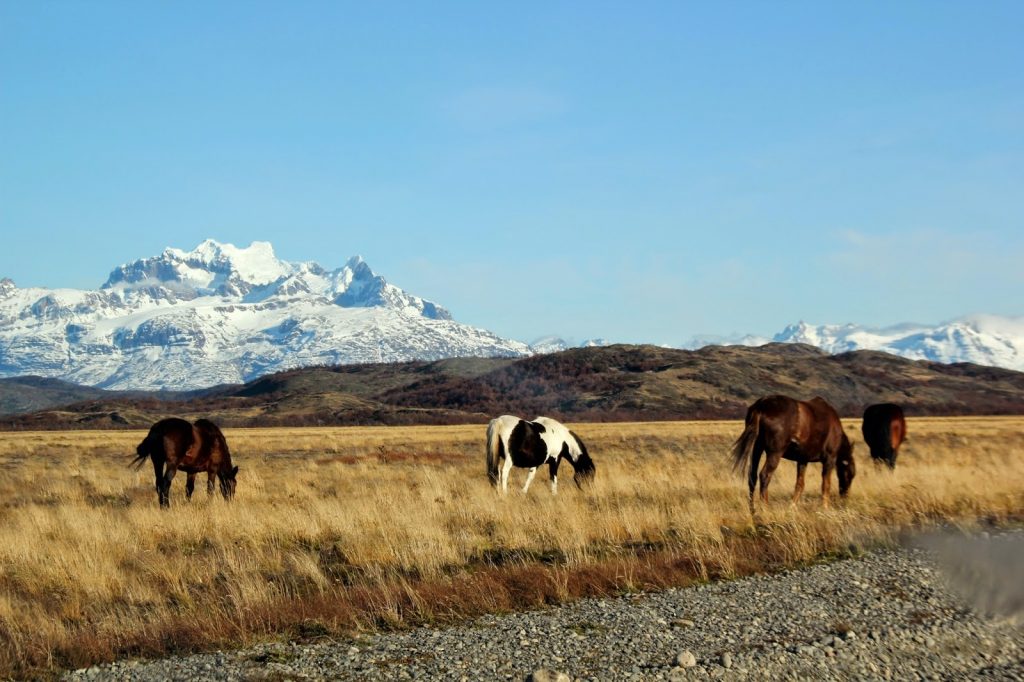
341, 529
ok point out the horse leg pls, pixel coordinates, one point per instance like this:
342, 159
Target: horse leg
209, 482
771, 462
801, 467
158, 471
506, 469
755, 461
165, 485
553, 472
190, 485
826, 481
529, 479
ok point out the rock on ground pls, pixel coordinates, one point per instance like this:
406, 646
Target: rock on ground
887, 615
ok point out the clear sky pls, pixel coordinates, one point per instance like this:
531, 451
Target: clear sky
635, 171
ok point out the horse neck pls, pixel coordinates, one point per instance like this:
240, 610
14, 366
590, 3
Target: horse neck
575, 452
225, 460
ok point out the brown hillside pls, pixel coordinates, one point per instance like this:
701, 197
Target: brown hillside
613, 383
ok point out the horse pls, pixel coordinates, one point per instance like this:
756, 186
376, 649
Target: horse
796, 430
884, 430
193, 448
512, 441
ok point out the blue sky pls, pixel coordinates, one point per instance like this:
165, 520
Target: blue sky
636, 171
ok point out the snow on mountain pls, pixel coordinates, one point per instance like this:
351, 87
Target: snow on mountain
224, 314
719, 340
549, 344
981, 339
554, 344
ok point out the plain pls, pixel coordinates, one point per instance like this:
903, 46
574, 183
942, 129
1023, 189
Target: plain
337, 530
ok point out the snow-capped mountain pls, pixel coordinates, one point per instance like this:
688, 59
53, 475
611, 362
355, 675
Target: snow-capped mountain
981, 339
720, 340
554, 344
223, 314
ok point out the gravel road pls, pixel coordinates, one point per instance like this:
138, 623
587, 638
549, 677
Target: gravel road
902, 614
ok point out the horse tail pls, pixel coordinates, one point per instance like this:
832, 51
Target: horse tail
744, 445
143, 453
494, 451
885, 440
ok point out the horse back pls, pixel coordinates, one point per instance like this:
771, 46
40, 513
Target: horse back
170, 439
884, 425
560, 441
778, 418
526, 445
805, 430
826, 427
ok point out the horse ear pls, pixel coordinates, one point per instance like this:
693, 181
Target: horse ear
234, 471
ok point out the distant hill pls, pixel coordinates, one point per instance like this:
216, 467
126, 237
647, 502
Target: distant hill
611, 383
25, 394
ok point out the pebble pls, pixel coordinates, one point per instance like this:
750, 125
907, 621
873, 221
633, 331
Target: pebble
796, 625
685, 659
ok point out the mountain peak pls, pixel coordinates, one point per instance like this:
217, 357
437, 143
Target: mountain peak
982, 339
255, 264
220, 313
254, 274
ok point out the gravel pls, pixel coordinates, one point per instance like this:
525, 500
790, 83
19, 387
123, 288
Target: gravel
890, 614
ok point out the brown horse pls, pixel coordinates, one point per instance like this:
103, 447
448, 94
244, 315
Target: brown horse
800, 431
884, 430
193, 448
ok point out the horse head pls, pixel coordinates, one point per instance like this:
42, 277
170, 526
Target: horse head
583, 465
227, 482
846, 468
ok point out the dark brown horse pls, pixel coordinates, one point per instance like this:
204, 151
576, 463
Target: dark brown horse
884, 430
810, 431
194, 448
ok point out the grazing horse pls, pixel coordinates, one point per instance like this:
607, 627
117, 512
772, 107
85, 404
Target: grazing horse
529, 444
884, 430
800, 431
193, 448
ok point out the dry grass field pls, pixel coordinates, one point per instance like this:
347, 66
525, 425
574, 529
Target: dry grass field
346, 529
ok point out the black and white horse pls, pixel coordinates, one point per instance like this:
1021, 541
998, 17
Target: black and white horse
512, 441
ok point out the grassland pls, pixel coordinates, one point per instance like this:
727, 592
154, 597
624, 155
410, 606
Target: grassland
346, 529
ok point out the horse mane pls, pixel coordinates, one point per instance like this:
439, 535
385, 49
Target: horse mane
583, 465
212, 433
579, 443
